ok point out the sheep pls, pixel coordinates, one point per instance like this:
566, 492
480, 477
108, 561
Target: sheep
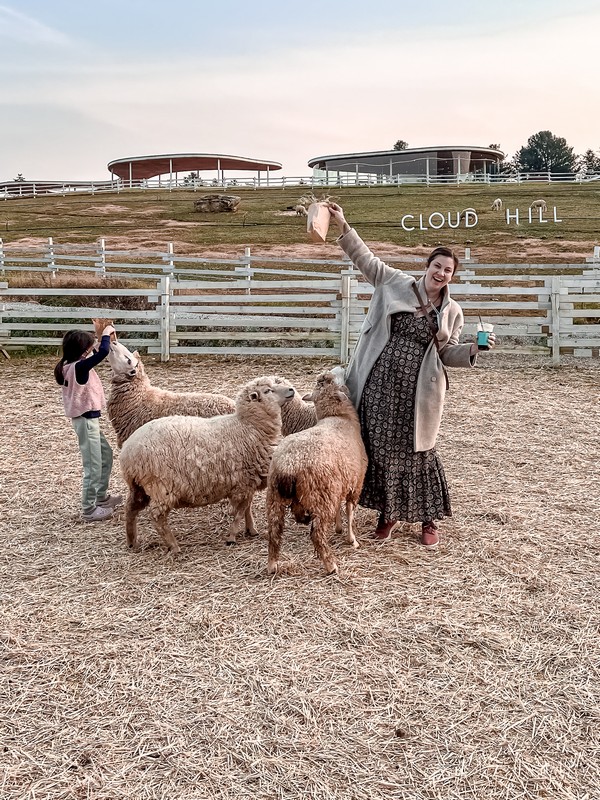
315, 470
539, 204
296, 414
300, 211
175, 462
497, 204
133, 401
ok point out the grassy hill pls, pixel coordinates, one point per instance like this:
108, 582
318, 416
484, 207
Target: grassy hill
152, 218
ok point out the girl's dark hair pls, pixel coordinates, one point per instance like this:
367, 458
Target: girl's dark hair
444, 251
74, 345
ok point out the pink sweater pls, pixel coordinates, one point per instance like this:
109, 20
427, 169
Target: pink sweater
79, 398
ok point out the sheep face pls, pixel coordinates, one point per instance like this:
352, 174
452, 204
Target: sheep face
122, 361
328, 388
266, 392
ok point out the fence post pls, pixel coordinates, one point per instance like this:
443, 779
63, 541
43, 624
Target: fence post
51, 262
2, 271
555, 297
102, 258
347, 277
165, 318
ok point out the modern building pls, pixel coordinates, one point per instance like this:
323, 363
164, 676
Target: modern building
430, 164
172, 166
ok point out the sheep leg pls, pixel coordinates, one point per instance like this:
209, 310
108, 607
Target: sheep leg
137, 499
275, 519
160, 517
240, 513
250, 527
351, 538
338, 520
318, 535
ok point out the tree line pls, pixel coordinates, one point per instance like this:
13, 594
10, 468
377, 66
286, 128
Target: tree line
544, 152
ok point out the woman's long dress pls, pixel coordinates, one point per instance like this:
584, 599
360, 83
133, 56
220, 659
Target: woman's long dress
400, 483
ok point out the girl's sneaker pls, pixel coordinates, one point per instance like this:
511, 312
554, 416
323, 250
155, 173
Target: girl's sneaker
110, 501
98, 514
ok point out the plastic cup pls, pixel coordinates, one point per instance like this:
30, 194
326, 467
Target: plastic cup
483, 335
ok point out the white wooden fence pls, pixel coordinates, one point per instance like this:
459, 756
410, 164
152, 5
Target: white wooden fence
172, 304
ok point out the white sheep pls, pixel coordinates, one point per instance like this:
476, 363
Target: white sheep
296, 414
497, 204
315, 471
133, 401
300, 211
539, 204
178, 461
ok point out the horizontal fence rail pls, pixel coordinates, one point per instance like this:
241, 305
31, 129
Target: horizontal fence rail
14, 190
171, 304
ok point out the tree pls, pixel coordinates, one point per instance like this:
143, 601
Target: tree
400, 145
588, 163
545, 152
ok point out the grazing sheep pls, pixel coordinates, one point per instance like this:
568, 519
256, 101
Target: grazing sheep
314, 471
300, 211
539, 204
497, 204
296, 414
133, 401
176, 462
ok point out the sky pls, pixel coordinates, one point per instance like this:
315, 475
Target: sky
83, 83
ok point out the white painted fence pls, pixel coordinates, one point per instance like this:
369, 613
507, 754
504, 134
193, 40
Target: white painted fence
195, 305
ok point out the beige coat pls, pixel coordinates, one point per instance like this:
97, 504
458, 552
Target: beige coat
394, 293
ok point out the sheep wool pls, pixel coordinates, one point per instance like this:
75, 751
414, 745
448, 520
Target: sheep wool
179, 461
133, 400
296, 414
314, 471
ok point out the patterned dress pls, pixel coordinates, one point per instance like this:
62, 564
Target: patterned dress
400, 483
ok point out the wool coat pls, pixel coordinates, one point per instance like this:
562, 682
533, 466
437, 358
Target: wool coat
394, 293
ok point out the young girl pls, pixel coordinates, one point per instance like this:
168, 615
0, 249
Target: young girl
83, 398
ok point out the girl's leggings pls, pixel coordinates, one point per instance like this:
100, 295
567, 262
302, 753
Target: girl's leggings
97, 458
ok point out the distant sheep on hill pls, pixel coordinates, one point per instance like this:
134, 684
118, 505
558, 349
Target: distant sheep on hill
300, 211
497, 204
539, 204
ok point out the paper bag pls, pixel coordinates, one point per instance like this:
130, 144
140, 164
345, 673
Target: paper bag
317, 223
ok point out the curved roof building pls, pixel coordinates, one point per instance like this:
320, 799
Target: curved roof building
138, 168
443, 162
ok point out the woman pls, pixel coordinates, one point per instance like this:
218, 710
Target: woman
397, 380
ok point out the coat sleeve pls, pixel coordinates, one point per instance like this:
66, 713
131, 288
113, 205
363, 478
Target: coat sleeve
454, 354
374, 270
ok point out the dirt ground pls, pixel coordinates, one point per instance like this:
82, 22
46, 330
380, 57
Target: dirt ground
467, 672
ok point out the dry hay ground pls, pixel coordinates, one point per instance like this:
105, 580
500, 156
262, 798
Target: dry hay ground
470, 672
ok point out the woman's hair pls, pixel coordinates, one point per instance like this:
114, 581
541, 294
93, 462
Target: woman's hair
74, 345
444, 251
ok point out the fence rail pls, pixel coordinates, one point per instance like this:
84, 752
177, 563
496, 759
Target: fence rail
11, 190
189, 304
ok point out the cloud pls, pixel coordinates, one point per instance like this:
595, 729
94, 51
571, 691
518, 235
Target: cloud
18, 27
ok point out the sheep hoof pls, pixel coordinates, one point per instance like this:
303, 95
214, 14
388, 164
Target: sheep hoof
251, 532
229, 542
332, 570
272, 567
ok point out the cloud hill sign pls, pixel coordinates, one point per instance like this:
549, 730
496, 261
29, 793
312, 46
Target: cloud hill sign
469, 219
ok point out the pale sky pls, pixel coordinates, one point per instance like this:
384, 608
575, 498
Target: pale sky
82, 82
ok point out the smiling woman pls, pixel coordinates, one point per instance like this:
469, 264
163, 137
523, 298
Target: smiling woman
397, 379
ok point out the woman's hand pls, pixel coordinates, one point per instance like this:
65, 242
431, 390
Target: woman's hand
491, 340
491, 345
337, 214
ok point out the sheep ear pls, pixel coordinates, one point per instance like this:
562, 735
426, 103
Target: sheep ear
341, 396
253, 395
135, 354
308, 397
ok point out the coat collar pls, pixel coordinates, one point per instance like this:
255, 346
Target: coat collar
445, 293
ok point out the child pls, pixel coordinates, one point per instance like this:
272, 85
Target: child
83, 398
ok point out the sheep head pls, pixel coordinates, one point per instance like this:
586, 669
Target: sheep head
124, 363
